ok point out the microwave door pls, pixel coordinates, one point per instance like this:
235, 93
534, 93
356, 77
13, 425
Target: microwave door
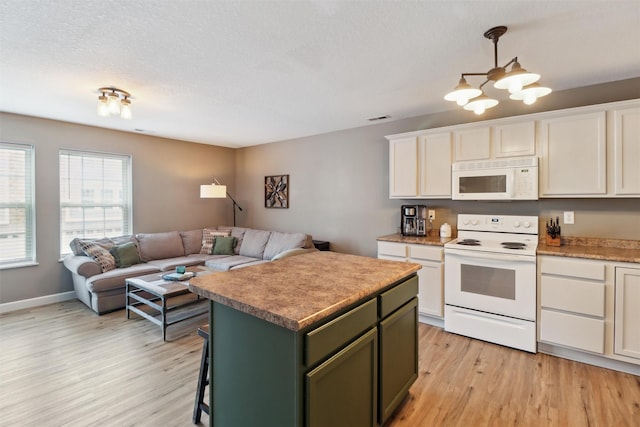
493, 184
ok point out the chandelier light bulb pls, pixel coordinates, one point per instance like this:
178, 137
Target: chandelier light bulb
125, 110
530, 93
114, 103
480, 104
103, 108
462, 93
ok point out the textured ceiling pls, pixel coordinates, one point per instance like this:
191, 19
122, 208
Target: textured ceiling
239, 73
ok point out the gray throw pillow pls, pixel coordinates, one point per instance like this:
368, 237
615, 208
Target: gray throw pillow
254, 242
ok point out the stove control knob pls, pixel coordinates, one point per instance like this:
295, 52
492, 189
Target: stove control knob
474, 222
516, 224
465, 222
527, 224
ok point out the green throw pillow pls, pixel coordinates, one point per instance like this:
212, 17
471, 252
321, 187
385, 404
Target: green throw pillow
224, 245
125, 255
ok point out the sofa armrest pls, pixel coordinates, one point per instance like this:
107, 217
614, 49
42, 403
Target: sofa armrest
293, 252
82, 265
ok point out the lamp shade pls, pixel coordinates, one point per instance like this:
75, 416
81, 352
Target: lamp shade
530, 93
479, 104
462, 93
516, 79
213, 191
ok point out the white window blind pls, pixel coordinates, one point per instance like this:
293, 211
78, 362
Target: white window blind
17, 211
95, 196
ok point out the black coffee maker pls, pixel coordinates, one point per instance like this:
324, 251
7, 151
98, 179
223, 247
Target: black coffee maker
413, 220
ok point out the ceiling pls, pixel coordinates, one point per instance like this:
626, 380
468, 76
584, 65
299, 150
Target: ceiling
241, 73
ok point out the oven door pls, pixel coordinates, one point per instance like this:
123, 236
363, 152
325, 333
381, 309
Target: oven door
502, 284
486, 184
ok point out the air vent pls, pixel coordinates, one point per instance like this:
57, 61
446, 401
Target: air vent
375, 119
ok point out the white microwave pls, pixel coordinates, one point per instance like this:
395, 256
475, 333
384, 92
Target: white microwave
507, 179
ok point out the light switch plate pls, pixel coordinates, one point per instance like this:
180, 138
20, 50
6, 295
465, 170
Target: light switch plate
568, 218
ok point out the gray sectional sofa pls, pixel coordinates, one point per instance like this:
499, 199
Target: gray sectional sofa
99, 267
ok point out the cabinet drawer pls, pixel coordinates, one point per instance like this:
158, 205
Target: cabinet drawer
563, 266
429, 253
395, 298
394, 249
579, 296
580, 332
330, 337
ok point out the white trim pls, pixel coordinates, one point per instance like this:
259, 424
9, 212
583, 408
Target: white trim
36, 302
431, 320
588, 358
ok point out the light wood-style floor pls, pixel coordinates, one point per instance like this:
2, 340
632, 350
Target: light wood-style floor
62, 365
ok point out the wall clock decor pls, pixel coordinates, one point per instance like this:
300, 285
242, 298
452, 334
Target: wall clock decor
276, 191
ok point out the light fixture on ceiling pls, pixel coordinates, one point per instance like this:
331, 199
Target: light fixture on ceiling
521, 84
216, 190
114, 101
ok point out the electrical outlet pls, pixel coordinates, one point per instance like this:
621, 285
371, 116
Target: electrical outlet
568, 218
432, 214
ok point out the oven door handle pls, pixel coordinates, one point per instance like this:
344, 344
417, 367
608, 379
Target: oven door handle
490, 256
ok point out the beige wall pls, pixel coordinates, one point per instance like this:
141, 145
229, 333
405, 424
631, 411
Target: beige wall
339, 181
338, 191
166, 179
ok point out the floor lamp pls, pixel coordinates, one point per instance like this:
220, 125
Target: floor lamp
216, 190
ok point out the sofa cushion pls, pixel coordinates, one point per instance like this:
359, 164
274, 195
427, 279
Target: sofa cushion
160, 245
76, 244
253, 243
192, 241
115, 279
209, 239
224, 245
171, 263
228, 262
125, 255
99, 255
280, 242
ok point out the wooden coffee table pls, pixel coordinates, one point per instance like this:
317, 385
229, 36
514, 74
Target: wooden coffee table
154, 292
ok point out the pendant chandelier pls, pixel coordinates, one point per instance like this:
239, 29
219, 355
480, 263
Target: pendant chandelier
521, 84
114, 101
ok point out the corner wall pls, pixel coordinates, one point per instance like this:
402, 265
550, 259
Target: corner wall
166, 194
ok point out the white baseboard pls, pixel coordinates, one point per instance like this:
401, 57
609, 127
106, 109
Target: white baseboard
431, 320
36, 302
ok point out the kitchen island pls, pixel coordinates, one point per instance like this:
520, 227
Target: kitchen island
312, 340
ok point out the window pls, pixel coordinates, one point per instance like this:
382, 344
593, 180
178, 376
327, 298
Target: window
17, 211
95, 196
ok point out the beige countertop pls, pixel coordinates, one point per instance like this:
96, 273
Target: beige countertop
594, 248
298, 291
417, 240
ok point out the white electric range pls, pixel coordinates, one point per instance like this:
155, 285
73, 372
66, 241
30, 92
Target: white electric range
490, 279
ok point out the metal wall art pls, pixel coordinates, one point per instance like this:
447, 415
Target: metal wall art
276, 191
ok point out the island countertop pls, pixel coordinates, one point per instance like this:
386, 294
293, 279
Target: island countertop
298, 291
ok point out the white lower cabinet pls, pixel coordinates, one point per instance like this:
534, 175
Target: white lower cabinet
589, 310
627, 312
430, 276
572, 303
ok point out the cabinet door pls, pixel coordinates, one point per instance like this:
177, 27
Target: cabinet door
403, 167
398, 357
513, 140
473, 144
573, 160
343, 391
435, 165
627, 312
626, 142
430, 293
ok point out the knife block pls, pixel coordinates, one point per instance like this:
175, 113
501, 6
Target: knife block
553, 242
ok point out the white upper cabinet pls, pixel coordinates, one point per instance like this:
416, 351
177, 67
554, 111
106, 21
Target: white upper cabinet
473, 144
626, 151
514, 139
573, 161
435, 165
505, 138
420, 166
403, 167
